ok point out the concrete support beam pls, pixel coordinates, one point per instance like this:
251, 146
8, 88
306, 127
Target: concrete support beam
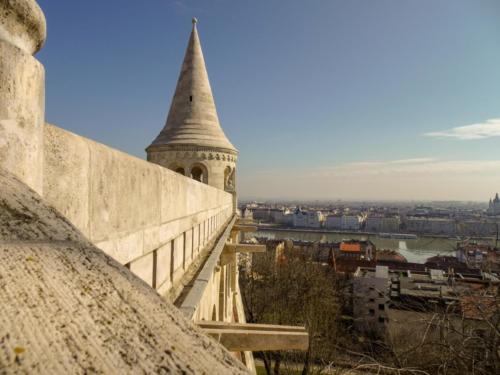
242, 221
249, 326
256, 337
244, 248
227, 258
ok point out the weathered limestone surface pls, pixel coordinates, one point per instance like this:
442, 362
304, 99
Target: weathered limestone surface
22, 90
22, 24
69, 308
131, 208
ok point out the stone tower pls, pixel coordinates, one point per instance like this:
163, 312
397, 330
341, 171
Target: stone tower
192, 142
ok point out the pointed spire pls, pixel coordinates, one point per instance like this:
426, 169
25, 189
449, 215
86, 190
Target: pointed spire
497, 199
192, 119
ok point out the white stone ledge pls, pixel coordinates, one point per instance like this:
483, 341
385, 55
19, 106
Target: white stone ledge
157, 268
126, 248
108, 194
137, 212
199, 285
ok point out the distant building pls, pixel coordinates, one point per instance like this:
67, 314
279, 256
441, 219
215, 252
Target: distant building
479, 256
476, 228
390, 255
276, 213
356, 249
371, 291
382, 293
445, 262
300, 218
307, 219
350, 222
281, 216
431, 225
261, 213
382, 224
494, 206
247, 214
314, 219
333, 222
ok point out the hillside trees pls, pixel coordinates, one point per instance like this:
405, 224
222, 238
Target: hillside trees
294, 291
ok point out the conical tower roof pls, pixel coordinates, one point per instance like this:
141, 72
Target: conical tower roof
192, 119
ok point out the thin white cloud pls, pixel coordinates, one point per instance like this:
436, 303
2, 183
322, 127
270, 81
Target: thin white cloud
488, 129
412, 161
417, 166
421, 166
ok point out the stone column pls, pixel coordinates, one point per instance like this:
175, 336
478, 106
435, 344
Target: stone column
22, 90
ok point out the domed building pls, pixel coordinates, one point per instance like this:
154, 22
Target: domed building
192, 142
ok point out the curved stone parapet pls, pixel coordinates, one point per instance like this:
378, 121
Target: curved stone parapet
22, 24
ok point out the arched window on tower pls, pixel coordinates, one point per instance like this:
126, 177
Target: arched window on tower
180, 170
199, 173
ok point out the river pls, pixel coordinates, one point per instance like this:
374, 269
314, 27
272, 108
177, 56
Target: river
414, 250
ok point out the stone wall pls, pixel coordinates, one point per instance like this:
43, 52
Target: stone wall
162, 226
149, 218
152, 220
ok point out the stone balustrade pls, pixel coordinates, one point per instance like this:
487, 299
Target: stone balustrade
149, 218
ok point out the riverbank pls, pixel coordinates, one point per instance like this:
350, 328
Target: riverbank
414, 250
276, 228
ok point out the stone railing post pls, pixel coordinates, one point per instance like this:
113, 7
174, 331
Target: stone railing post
22, 90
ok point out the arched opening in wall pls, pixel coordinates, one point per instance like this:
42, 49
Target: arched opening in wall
229, 179
178, 168
222, 295
199, 173
236, 318
214, 314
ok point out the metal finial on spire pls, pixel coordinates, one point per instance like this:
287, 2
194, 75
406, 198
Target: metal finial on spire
194, 21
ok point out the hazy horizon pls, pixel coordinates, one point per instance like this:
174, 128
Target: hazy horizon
381, 100
312, 201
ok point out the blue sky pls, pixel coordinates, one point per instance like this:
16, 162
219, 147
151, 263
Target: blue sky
350, 99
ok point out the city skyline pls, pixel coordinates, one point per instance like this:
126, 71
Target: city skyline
355, 100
